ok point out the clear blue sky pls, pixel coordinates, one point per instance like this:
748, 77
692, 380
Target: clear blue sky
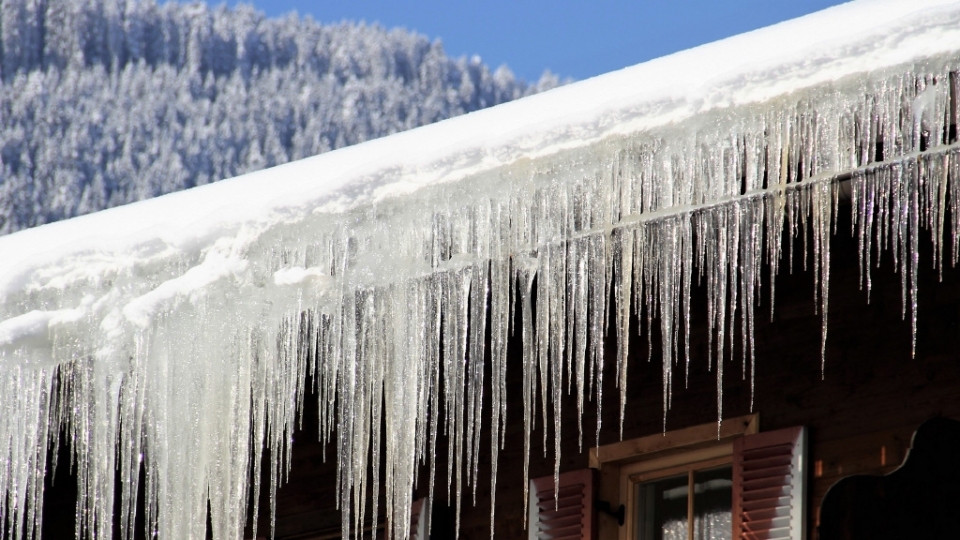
572, 39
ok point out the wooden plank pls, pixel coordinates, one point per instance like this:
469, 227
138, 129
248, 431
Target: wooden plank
673, 465
609, 490
645, 447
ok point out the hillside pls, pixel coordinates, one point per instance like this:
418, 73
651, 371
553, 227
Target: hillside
106, 102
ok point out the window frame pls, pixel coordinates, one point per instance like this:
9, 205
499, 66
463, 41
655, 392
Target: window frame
625, 464
634, 480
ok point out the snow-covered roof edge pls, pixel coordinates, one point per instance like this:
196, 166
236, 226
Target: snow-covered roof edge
851, 38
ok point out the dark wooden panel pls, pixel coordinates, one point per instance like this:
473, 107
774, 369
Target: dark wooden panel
861, 411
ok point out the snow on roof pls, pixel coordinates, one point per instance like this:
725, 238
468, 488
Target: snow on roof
857, 37
195, 317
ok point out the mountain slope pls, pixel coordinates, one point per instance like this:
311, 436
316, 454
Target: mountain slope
106, 102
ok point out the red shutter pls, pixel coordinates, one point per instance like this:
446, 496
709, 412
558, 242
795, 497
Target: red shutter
769, 497
569, 516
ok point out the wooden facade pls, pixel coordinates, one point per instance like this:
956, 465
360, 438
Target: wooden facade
861, 408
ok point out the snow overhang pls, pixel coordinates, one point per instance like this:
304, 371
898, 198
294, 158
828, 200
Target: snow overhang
218, 300
820, 50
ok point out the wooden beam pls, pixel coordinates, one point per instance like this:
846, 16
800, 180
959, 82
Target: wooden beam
645, 447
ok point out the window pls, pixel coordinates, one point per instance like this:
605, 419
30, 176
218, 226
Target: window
652, 477
664, 509
698, 483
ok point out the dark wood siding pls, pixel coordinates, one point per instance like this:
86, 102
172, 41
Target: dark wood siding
861, 410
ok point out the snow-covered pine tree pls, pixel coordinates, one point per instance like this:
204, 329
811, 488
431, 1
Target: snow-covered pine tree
106, 102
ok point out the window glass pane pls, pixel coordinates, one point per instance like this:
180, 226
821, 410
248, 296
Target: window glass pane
662, 509
712, 503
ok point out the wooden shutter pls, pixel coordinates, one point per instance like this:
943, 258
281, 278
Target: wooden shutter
568, 517
769, 496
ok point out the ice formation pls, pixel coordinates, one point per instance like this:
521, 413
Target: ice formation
177, 334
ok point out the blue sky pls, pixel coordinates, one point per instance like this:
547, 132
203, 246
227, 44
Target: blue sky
572, 39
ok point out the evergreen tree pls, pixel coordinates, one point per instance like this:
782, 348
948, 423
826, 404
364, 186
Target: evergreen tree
106, 102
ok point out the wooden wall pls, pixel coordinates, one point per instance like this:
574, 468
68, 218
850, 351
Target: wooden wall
861, 410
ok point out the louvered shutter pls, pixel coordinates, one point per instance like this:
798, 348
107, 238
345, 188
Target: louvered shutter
568, 517
419, 521
769, 496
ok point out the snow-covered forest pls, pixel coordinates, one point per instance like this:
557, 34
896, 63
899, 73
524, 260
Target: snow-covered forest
106, 102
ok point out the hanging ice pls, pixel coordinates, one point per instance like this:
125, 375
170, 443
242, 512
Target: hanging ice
178, 334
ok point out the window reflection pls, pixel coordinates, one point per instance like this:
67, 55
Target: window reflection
663, 509
712, 501
665, 513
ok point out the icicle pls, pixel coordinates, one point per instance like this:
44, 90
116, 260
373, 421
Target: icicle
542, 338
953, 190
476, 361
638, 279
624, 243
526, 271
576, 314
821, 200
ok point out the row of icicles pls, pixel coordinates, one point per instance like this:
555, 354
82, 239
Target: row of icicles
420, 300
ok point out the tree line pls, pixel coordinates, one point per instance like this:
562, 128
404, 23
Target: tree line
106, 102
